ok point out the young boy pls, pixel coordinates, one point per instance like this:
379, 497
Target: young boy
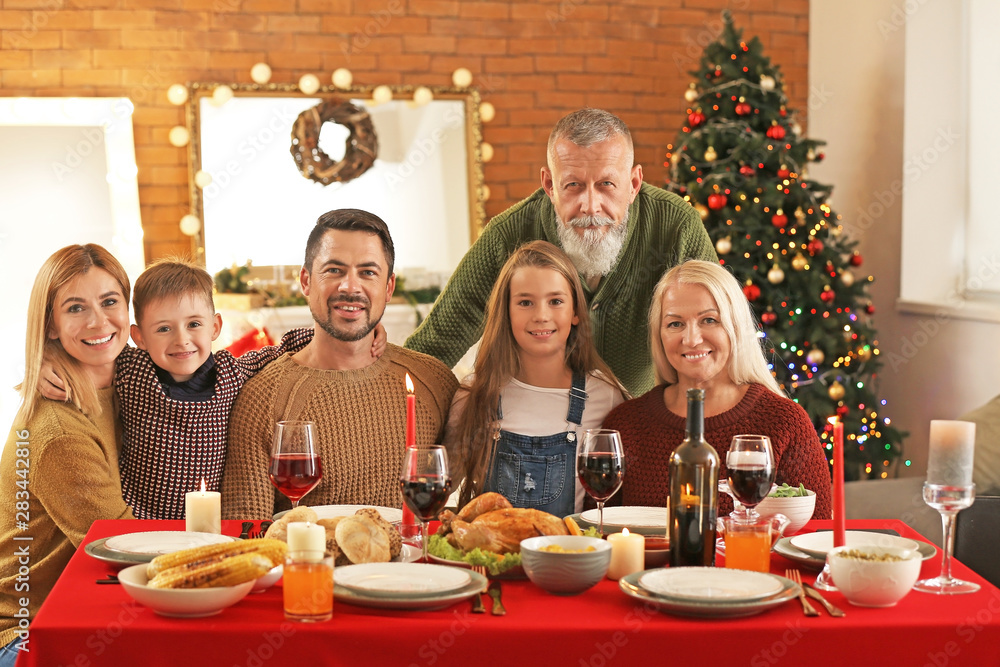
175, 394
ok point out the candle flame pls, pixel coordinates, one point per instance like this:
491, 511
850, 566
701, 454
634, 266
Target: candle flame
409, 384
624, 531
833, 420
203, 485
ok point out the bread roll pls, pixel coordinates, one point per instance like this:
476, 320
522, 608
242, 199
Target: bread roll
395, 539
361, 540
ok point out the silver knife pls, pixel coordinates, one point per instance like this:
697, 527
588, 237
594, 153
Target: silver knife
815, 595
495, 593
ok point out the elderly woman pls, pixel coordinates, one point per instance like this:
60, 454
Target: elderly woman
703, 335
59, 471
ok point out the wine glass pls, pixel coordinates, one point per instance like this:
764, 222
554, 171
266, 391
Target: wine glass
750, 471
600, 464
948, 500
296, 468
425, 484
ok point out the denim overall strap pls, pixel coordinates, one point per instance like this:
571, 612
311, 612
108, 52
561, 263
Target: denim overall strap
577, 398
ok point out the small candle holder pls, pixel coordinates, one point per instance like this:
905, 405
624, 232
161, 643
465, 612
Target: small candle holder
308, 586
947, 500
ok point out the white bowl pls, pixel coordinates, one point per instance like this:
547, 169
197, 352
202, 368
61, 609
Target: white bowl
874, 583
268, 580
565, 573
183, 602
798, 509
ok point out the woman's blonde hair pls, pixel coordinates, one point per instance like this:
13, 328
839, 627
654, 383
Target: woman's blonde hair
63, 266
747, 362
498, 360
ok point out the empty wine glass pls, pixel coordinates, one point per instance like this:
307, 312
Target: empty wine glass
296, 468
600, 465
750, 471
425, 484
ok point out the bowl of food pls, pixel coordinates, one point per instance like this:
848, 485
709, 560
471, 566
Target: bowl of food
657, 552
874, 576
796, 503
565, 564
183, 602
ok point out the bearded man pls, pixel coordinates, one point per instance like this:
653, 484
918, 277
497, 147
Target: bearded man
356, 400
621, 234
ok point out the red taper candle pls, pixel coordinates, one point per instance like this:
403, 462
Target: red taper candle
839, 507
410, 527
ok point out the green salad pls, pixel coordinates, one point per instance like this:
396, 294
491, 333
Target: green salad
785, 491
494, 563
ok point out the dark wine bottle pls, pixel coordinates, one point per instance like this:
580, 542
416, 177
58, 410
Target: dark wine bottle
694, 490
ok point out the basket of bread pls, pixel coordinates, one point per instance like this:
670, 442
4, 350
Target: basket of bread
364, 537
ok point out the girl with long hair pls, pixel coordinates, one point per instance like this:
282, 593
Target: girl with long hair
538, 384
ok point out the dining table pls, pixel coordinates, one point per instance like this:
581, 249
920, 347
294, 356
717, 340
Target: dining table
82, 623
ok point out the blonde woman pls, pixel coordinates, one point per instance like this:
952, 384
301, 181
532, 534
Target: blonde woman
59, 470
703, 335
538, 384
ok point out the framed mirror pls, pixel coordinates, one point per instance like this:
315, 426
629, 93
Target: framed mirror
255, 203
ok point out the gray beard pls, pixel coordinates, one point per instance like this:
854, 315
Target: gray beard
593, 254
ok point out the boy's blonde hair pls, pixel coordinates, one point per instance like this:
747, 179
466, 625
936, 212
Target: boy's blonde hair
170, 277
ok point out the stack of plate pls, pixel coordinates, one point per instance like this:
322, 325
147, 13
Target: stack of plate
810, 549
642, 520
132, 548
405, 585
709, 592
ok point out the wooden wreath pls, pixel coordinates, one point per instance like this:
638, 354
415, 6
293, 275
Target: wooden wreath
360, 149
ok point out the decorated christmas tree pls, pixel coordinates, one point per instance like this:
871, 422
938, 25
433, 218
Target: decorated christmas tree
742, 161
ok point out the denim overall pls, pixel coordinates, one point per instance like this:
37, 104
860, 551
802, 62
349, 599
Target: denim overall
539, 472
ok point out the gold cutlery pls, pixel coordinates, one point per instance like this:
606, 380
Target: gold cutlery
815, 595
496, 593
807, 608
264, 525
246, 528
477, 600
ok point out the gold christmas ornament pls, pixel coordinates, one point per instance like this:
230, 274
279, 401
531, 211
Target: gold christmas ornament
800, 215
815, 357
702, 210
767, 83
847, 277
710, 154
836, 391
775, 275
724, 245
691, 94
865, 353
799, 262
675, 158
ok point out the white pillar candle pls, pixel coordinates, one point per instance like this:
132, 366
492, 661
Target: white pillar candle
305, 536
203, 512
949, 460
627, 554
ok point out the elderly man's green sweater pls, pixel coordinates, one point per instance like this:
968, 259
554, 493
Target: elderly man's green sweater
663, 230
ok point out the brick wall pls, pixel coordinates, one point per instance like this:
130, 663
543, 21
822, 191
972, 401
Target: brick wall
535, 60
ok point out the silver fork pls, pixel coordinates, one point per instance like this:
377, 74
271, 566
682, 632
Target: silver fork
807, 608
477, 600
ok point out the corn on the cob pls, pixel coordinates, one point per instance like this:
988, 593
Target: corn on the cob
275, 550
228, 572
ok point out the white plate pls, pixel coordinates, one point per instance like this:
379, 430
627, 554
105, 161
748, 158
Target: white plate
390, 514
629, 517
709, 584
156, 543
708, 609
401, 579
784, 547
475, 586
818, 544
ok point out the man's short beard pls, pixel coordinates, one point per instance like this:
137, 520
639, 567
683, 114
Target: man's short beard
340, 334
594, 254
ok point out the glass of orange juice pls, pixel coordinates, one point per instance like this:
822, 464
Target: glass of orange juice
749, 542
308, 586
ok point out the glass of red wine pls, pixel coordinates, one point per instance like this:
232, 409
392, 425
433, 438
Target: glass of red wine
750, 471
425, 484
296, 468
600, 465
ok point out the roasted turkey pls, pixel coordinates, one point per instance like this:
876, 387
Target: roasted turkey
491, 523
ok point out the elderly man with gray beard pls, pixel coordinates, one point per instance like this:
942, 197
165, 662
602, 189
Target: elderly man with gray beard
621, 234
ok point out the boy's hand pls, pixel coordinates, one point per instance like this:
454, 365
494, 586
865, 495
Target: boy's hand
379, 342
50, 385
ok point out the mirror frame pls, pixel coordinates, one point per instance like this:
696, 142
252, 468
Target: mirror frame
477, 190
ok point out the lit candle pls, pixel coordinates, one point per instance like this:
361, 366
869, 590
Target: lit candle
949, 461
304, 536
839, 508
203, 511
628, 553
411, 414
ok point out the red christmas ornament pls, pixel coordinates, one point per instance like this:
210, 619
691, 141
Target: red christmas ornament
747, 170
768, 317
783, 112
856, 259
870, 308
751, 291
716, 201
843, 411
742, 109
820, 156
696, 118
776, 132
827, 294
783, 172
779, 219
814, 246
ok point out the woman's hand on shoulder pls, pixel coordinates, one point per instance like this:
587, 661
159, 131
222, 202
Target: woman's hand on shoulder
51, 385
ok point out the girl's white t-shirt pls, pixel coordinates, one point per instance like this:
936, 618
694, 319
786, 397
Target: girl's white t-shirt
540, 411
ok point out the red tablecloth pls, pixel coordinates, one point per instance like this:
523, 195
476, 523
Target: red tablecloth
82, 623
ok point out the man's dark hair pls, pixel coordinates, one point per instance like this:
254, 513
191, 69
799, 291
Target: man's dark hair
350, 220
